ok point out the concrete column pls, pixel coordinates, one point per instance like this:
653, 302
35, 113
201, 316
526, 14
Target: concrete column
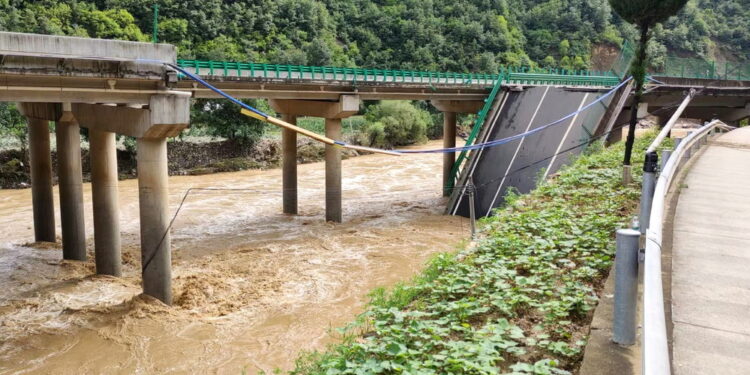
333, 172
71, 189
41, 181
449, 141
289, 166
153, 198
104, 194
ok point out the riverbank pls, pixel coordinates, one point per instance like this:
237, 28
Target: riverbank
520, 300
185, 158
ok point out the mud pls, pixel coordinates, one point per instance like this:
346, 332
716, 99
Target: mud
252, 287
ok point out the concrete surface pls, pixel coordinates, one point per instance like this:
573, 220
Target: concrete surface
711, 261
75, 47
602, 356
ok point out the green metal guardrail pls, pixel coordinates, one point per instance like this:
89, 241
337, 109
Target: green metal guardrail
481, 117
521, 75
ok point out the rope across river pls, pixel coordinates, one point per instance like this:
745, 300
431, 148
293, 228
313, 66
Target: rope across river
253, 112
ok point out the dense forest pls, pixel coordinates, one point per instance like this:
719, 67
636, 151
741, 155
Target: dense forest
445, 35
454, 35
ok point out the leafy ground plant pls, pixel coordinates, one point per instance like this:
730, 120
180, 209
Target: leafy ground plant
518, 302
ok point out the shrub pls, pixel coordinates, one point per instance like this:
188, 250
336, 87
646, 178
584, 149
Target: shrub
395, 123
221, 118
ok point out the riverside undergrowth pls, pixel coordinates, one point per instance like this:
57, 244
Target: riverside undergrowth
517, 302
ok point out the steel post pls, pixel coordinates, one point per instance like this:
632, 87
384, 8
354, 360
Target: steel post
472, 210
647, 189
626, 287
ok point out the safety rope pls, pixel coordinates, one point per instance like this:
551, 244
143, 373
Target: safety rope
260, 115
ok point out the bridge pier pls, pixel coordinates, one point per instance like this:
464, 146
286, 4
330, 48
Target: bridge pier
449, 141
333, 172
332, 112
70, 185
107, 248
40, 161
289, 166
153, 197
451, 109
166, 116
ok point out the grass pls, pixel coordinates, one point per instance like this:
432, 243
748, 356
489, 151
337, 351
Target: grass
519, 302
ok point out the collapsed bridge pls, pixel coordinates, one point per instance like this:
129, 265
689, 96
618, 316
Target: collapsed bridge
127, 88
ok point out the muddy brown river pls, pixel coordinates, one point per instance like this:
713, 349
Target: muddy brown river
253, 287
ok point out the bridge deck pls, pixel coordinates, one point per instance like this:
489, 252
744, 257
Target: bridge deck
711, 262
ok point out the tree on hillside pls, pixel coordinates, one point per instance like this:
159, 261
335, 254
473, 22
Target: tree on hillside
644, 14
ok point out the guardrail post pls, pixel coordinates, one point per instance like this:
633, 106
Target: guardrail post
470, 188
647, 189
626, 286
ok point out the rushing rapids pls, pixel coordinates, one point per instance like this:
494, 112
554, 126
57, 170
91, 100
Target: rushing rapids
253, 287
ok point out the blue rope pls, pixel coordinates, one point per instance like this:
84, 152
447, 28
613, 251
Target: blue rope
498, 142
476, 146
234, 100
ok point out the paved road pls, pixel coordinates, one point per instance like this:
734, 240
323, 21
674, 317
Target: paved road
711, 261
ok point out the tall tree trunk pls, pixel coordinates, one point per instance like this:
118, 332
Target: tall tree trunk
639, 74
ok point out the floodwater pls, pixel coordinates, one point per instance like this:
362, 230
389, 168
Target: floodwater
252, 287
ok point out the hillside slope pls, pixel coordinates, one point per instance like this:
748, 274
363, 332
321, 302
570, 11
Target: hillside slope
456, 35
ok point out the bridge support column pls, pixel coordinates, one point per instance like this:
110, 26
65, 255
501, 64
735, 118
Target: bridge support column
71, 190
105, 200
450, 109
449, 158
40, 161
289, 166
333, 172
153, 199
332, 112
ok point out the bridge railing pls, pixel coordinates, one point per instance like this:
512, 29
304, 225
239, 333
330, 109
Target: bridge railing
513, 75
654, 348
481, 117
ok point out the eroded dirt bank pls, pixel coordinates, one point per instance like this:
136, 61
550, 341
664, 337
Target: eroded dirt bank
252, 287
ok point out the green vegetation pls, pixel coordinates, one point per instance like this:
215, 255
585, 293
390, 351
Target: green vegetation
220, 118
455, 35
519, 301
395, 123
445, 35
13, 129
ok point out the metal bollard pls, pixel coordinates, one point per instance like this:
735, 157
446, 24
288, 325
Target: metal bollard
647, 189
665, 155
472, 214
626, 287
